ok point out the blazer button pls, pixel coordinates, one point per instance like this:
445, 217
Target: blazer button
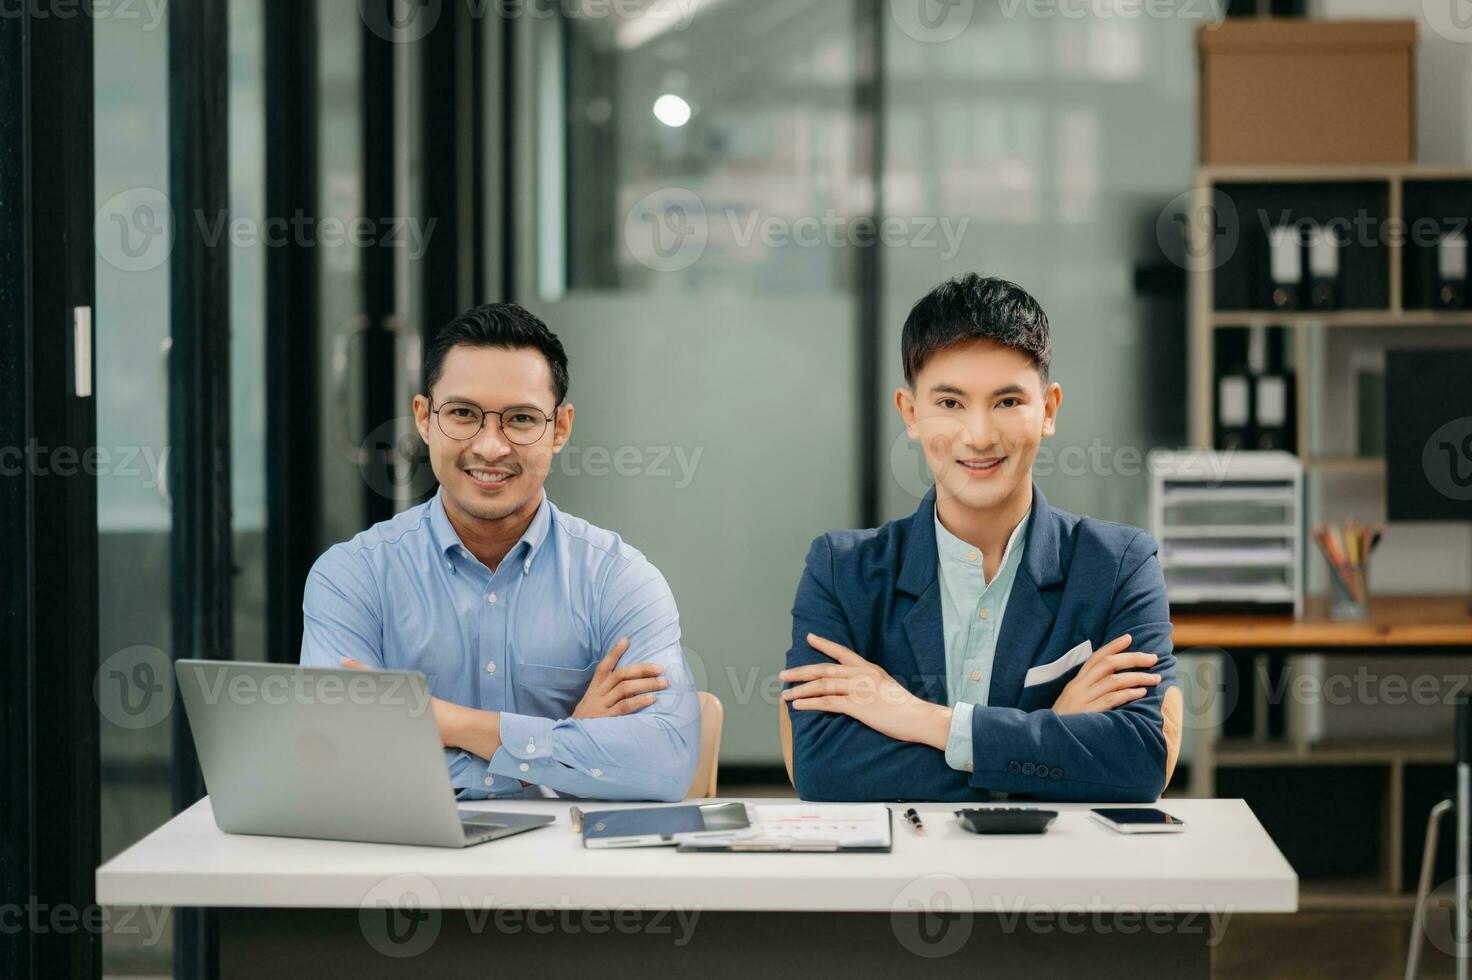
1028, 768
1014, 767
1043, 769
1056, 772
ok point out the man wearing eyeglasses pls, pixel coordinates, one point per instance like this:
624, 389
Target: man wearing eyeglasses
552, 648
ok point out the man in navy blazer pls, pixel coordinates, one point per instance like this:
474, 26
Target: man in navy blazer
989, 643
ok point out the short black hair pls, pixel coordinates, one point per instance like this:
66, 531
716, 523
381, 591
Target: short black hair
973, 307
504, 325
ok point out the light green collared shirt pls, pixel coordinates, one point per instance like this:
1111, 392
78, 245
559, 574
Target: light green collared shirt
971, 612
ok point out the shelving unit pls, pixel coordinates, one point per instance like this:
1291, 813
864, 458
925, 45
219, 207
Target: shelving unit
1204, 317
1395, 195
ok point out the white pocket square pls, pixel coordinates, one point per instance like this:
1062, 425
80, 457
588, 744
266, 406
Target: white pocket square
1043, 673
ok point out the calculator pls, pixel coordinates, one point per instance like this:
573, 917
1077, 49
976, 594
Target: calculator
1005, 819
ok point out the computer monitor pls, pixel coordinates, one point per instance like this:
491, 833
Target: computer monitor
1428, 435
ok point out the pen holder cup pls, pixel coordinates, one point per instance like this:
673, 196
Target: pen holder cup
1346, 603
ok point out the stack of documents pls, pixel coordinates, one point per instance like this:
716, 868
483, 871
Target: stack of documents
741, 827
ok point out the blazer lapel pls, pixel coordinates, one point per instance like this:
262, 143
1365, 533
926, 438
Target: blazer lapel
1031, 607
923, 626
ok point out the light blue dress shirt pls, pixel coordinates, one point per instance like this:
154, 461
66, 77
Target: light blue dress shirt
971, 611
523, 640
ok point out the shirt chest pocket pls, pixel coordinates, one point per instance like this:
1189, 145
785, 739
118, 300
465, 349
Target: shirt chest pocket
550, 691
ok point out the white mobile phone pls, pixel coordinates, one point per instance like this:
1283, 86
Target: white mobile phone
1138, 820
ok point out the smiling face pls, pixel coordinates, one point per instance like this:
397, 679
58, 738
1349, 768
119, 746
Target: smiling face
979, 410
488, 476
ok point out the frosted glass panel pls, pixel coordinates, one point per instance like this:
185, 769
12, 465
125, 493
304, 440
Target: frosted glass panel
695, 249
1057, 140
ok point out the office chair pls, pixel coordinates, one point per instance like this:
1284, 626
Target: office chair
1461, 804
712, 716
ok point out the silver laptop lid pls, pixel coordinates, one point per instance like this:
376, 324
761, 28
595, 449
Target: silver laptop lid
306, 752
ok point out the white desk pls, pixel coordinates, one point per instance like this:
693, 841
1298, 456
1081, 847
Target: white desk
1072, 895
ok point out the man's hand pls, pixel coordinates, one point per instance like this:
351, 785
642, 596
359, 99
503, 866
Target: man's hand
1106, 679
620, 690
855, 687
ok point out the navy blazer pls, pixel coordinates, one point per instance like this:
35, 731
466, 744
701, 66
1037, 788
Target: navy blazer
876, 592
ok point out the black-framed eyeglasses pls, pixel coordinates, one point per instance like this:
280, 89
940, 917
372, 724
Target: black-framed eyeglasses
522, 425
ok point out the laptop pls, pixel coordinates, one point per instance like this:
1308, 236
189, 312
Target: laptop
333, 754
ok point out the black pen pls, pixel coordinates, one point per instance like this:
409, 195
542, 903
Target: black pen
914, 819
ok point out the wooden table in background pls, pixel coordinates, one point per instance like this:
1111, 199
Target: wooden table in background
1436, 625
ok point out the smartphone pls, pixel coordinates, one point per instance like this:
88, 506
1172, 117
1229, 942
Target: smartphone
1138, 820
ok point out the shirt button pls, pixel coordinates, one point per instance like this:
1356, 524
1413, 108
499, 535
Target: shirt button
491, 598
530, 747
597, 773
971, 556
984, 613
491, 667
526, 566
976, 675
490, 779
524, 767
464, 552
970, 767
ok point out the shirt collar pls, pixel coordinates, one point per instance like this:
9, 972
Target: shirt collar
526, 547
952, 548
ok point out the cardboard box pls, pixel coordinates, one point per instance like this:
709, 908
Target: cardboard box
1305, 91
